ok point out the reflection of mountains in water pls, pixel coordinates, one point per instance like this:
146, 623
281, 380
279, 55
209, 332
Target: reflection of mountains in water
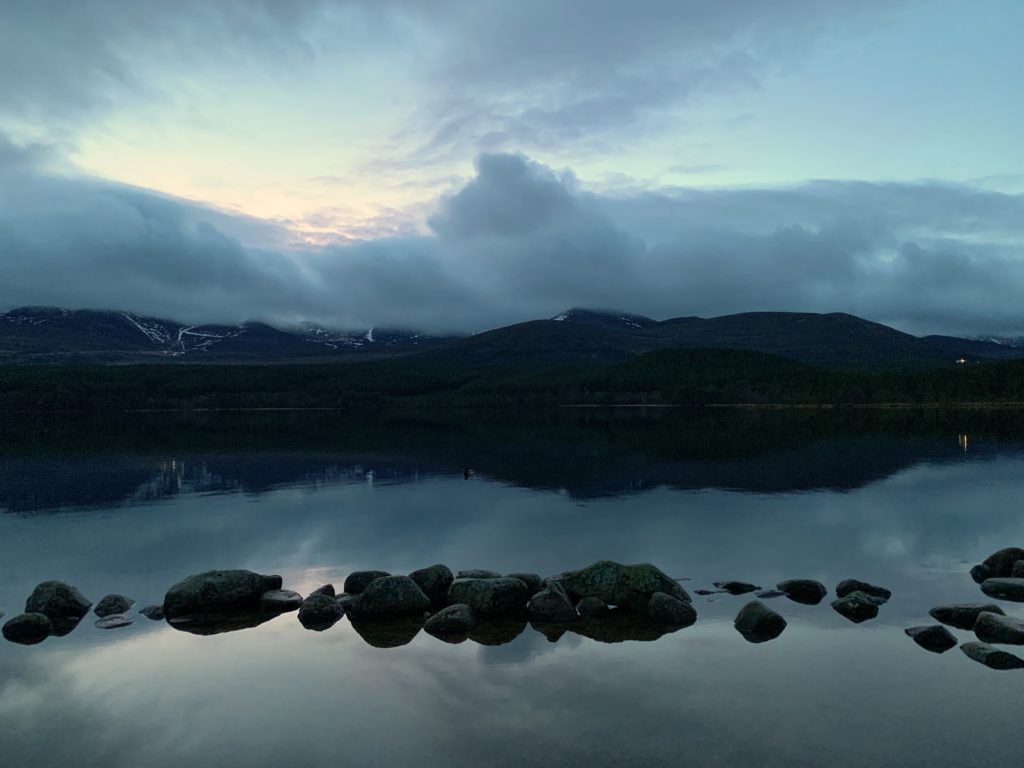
589, 456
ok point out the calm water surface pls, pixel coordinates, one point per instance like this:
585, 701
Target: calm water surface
909, 501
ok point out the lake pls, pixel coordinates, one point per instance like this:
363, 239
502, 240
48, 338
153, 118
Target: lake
907, 499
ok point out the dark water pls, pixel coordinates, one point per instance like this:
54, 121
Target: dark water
908, 500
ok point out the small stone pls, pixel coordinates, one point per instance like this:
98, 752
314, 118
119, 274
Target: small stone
670, 611
282, 600
804, 591
769, 594
326, 589
58, 601
758, 623
434, 582
705, 592
856, 606
358, 581
993, 658
849, 586
962, 615
591, 607
113, 604
153, 612
28, 628
114, 621
736, 587
1004, 589
997, 628
552, 606
456, 619
934, 637
533, 582
477, 573
320, 612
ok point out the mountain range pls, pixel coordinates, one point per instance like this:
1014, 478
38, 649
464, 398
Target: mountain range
45, 335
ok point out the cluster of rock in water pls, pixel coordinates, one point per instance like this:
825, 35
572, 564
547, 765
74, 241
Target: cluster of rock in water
605, 601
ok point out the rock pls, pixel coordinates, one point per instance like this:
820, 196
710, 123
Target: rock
358, 581
997, 628
153, 612
388, 632
934, 637
283, 600
848, 586
477, 574
758, 623
1000, 564
551, 606
993, 658
434, 582
326, 589
621, 625
736, 587
500, 630
1018, 570
456, 619
591, 606
533, 582
670, 611
489, 597
28, 628
1004, 589
768, 594
962, 615
856, 606
58, 601
114, 621
345, 600
221, 623
320, 612
391, 596
218, 592
112, 604
705, 592
629, 586
980, 572
805, 591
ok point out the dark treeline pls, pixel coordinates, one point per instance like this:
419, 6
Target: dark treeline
681, 377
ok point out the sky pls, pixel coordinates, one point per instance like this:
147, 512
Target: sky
456, 165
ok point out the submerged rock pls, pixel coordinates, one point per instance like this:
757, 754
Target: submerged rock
477, 573
769, 594
358, 581
758, 623
388, 632
218, 592
591, 606
933, 637
628, 586
997, 628
849, 586
534, 583
320, 612
737, 587
113, 604
1000, 564
390, 596
114, 621
489, 597
804, 591
993, 658
856, 606
434, 582
705, 592
552, 606
283, 600
153, 612
670, 611
28, 628
962, 615
60, 602
456, 619
980, 572
1004, 589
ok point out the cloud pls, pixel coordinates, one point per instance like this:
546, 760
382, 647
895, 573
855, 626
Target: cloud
521, 241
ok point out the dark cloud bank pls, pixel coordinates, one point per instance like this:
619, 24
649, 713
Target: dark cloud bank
521, 241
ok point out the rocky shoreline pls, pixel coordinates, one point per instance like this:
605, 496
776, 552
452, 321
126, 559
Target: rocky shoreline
606, 601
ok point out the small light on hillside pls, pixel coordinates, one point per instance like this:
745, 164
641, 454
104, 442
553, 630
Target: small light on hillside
961, 360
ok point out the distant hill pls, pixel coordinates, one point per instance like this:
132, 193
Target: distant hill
43, 335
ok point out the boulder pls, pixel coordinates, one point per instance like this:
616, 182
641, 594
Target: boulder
153, 612
848, 586
1004, 589
489, 597
997, 628
670, 611
551, 606
933, 637
360, 580
629, 586
58, 601
391, 596
1000, 564
980, 572
758, 623
218, 592
28, 628
736, 587
856, 606
456, 619
805, 591
434, 582
112, 604
388, 632
962, 615
283, 600
320, 612
477, 573
114, 621
326, 589
1018, 570
591, 606
533, 582
993, 658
